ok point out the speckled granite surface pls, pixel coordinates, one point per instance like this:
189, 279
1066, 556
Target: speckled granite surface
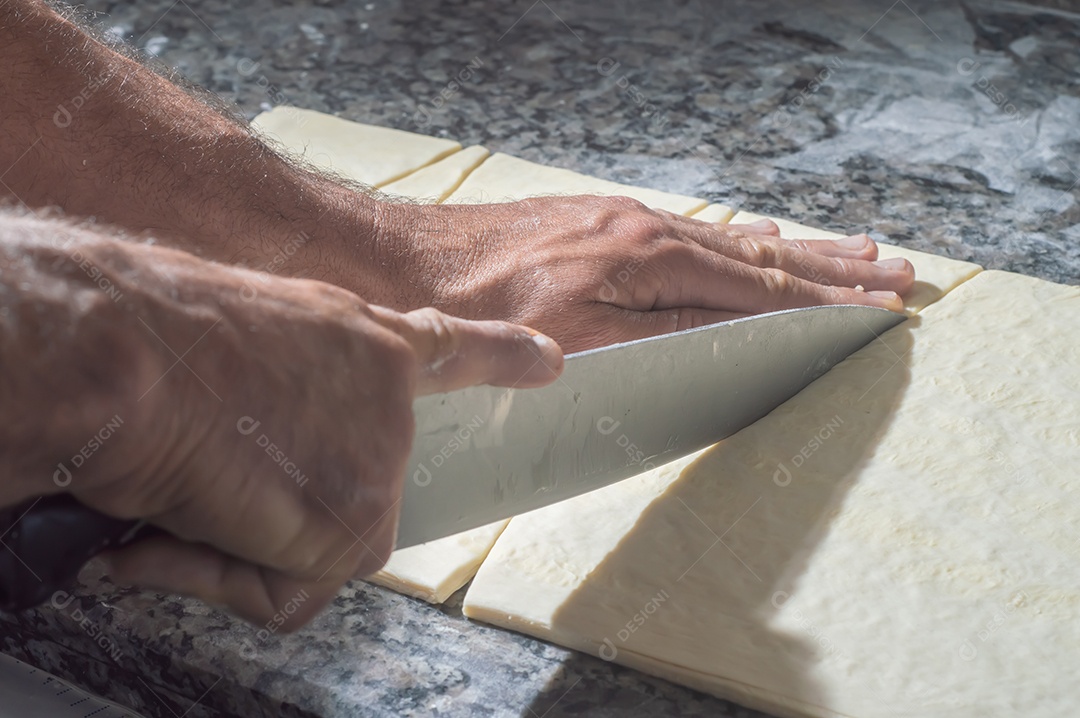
950, 128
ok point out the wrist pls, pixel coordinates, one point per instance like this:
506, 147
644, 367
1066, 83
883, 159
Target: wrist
324, 231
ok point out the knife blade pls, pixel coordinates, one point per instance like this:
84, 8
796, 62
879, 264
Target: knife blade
487, 453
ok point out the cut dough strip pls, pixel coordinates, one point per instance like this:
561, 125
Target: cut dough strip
437, 181
503, 178
363, 153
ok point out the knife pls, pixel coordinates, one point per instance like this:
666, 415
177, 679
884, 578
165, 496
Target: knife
487, 453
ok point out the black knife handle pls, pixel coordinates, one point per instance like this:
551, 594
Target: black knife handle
46, 543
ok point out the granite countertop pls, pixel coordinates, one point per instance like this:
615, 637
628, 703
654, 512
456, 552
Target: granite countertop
949, 128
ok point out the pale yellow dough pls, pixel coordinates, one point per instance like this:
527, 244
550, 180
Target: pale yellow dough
715, 213
503, 178
437, 181
934, 275
897, 540
364, 153
433, 571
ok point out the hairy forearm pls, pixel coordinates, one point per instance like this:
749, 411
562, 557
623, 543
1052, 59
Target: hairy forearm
97, 134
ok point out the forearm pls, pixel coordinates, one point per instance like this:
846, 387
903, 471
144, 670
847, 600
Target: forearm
97, 134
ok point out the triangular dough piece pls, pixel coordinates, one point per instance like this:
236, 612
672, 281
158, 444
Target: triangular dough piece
503, 178
363, 153
437, 181
935, 275
898, 539
434, 570
715, 213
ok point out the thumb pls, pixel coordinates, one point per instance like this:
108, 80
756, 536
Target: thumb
455, 353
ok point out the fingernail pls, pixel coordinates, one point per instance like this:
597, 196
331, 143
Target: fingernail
887, 296
761, 224
857, 241
549, 350
896, 264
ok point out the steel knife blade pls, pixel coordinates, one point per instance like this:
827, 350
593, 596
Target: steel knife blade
487, 453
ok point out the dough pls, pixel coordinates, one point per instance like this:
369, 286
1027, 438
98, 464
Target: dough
716, 213
503, 178
437, 181
897, 540
934, 275
434, 570
363, 153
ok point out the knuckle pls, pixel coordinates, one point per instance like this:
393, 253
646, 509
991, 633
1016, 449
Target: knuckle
777, 282
627, 204
670, 253
846, 267
626, 217
439, 328
761, 254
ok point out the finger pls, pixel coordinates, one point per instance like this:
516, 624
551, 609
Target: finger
695, 277
895, 275
256, 594
718, 236
762, 226
726, 239
456, 353
857, 246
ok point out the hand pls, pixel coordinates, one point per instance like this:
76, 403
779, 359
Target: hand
270, 424
591, 271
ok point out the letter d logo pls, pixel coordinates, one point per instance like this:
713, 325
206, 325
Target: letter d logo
248, 293
61, 600
246, 425
782, 476
606, 425
422, 477
61, 477
61, 118
608, 292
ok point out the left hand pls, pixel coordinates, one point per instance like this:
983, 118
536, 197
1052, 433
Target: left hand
591, 271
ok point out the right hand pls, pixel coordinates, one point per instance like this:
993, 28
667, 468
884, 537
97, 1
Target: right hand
270, 425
